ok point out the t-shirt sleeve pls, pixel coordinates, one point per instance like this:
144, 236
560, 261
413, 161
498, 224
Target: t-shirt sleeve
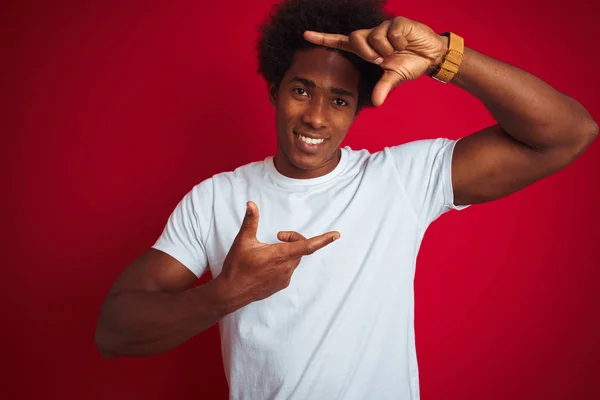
185, 233
425, 169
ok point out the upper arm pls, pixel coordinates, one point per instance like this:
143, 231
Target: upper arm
154, 271
178, 257
490, 164
424, 170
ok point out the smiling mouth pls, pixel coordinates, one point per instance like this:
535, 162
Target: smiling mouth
309, 140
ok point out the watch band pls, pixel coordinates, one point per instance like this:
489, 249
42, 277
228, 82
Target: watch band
452, 59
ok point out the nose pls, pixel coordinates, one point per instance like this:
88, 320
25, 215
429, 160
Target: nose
315, 113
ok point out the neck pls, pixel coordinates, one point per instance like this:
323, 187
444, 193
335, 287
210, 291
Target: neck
287, 168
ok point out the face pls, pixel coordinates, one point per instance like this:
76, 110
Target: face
315, 106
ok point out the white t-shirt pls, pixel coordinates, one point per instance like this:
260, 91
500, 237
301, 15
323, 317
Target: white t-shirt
343, 328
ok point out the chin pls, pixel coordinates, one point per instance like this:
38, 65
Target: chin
307, 159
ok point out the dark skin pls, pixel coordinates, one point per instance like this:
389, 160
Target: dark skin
539, 130
316, 97
150, 308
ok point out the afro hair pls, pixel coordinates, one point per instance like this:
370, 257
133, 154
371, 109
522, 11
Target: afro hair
281, 35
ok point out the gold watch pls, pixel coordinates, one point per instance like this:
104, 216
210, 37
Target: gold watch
452, 59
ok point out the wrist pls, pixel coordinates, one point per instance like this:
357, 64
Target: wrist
220, 297
228, 298
445, 45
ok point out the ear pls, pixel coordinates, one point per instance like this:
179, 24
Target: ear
272, 94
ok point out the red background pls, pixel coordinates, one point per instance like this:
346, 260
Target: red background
111, 112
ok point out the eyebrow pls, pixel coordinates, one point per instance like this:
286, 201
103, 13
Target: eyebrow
334, 90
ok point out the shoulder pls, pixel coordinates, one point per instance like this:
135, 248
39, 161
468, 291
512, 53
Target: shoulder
421, 153
422, 146
235, 178
243, 173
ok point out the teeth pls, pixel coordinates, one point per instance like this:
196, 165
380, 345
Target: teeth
311, 141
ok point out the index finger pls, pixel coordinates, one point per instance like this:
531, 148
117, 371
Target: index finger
332, 40
309, 246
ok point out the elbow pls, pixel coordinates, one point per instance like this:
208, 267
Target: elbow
586, 128
103, 343
588, 134
107, 341
584, 136
589, 130
593, 131
106, 354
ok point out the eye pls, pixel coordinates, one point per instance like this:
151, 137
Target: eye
300, 91
341, 102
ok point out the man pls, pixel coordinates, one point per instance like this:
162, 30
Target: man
331, 316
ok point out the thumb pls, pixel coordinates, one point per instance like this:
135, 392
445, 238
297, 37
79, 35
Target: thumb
290, 236
250, 222
388, 81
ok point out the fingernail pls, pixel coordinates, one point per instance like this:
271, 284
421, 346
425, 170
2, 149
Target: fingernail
378, 60
336, 236
248, 209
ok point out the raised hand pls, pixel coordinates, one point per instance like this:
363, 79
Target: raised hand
404, 48
253, 270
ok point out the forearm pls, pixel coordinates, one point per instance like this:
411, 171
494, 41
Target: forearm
525, 107
139, 323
